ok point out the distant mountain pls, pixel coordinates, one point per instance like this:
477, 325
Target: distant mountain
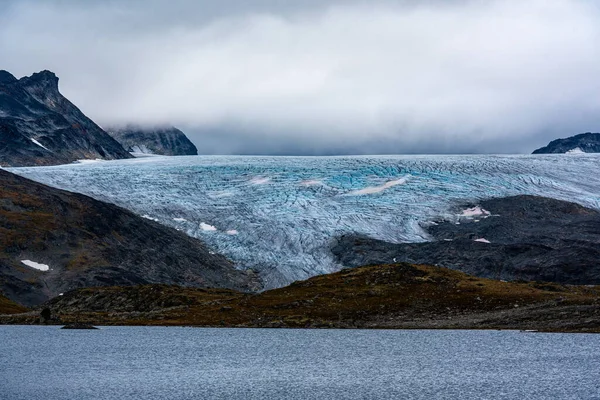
166, 141
52, 241
582, 143
39, 126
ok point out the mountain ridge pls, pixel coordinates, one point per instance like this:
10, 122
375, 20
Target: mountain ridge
39, 126
161, 140
582, 143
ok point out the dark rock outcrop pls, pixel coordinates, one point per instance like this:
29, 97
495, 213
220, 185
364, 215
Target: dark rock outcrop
166, 141
84, 242
39, 126
78, 325
585, 142
530, 238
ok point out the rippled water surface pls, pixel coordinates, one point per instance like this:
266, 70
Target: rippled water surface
280, 214
47, 363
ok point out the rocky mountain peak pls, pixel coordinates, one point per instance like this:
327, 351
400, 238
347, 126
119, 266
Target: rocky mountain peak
6, 77
39, 126
41, 84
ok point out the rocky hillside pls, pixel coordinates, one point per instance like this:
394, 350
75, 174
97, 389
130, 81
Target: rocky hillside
52, 241
39, 126
166, 141
523, 237
582, 143
383, 296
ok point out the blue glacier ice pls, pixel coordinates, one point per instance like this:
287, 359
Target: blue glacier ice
278, 215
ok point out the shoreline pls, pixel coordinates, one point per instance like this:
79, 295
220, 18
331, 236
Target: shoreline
392, 296
515, 330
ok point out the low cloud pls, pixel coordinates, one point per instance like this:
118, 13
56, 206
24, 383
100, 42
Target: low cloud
323, 77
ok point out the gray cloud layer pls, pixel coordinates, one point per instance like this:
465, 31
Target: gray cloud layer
322, 77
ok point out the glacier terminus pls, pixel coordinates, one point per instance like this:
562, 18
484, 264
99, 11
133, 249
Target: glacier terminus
280, 215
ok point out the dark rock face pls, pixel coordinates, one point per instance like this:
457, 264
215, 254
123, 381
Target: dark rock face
39, 126
586, 142
530, 238
166, 141
85, 242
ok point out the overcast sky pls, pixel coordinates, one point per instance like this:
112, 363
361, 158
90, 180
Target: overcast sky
322, 77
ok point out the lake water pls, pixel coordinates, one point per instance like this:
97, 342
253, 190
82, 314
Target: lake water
47, 363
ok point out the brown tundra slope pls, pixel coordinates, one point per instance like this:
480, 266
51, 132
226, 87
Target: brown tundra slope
382, 296
85, 242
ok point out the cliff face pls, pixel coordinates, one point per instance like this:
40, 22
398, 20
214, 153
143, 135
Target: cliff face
166, 141
582, 143
52, 241
39, 126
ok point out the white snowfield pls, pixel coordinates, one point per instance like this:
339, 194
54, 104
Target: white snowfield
475, 212
141, 149
576, 150
206, 227
260, 180
85, 161
379, 189
284, 227
39, 144
38, 266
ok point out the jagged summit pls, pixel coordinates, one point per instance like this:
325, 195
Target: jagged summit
39, 126
43, 79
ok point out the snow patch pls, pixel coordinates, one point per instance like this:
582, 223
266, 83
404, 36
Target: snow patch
260, 180
39, 144
311, 182
144, 155
86, 161
232, 232
482, 240
475, 212
576, 150
38, 266
206, 227
379, 189
179, 219
140, 148
150, 218
217, 195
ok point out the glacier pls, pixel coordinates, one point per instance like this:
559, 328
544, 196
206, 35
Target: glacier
279, 215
